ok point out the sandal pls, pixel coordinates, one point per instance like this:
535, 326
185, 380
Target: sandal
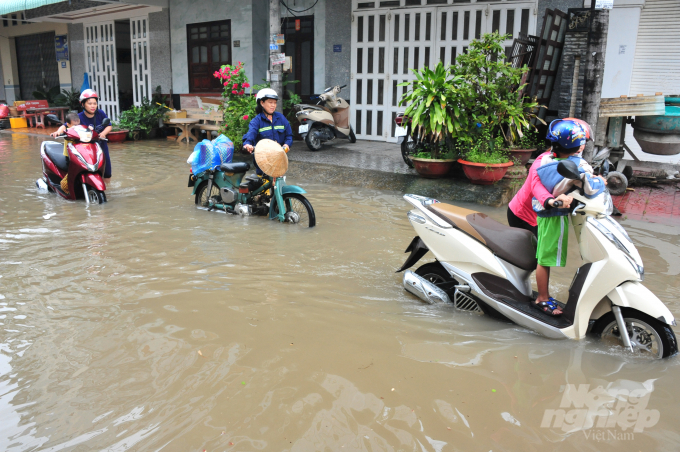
548, 307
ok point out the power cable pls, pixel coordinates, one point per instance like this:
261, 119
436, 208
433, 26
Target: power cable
293, 11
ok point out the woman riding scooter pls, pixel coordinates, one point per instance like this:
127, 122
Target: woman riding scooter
268, 124
93, 116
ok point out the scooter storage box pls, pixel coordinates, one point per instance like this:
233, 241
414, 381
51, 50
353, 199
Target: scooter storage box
18, 123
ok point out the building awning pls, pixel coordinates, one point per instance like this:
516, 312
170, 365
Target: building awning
12, 6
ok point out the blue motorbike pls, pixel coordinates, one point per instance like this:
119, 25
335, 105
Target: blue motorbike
225, 189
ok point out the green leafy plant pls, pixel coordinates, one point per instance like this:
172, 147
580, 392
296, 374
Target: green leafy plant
141, 118
486, 148
69, 98
238, 107
530, 140
51, 95
490, 92
432, 107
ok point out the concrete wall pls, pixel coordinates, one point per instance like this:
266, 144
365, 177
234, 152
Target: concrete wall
260, 51
320, 22
339, 31
160, 58
183, 12
624, 20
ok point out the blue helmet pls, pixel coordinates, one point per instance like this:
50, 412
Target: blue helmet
566, 133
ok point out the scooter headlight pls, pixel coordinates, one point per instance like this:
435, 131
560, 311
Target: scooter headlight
639, 269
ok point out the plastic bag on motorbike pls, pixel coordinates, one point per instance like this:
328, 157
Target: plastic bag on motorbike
209, 154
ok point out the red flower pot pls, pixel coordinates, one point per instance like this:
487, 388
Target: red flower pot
117, 137
484, 173
522, 154
432, 168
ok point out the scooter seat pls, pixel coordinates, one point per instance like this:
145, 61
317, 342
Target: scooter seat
238, 167
513, 245
55, 152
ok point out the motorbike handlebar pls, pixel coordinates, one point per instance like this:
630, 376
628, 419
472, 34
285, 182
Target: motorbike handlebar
557, 204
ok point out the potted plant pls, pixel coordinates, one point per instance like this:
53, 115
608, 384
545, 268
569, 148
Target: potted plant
117, 134
487, 160
141, 120
432, 114
525, 146
492, 112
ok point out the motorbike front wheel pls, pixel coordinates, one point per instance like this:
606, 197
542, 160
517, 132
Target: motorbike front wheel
298, 210
202, 195
95, 196
647, 335
408, 148
313, 140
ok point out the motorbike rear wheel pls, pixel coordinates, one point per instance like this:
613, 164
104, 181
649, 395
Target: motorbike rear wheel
298, 210
313, 140
352, 137
648, 335
408, 148
435, 273
202, 195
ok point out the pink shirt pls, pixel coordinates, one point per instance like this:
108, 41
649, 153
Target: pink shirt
532, 188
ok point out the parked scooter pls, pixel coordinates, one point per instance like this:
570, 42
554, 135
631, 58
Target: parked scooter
84, 165
405, 139
325, 121
224, 189
484, 266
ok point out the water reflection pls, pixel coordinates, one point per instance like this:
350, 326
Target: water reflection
145, 324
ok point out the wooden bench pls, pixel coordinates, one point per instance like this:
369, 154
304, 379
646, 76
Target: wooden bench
210, 120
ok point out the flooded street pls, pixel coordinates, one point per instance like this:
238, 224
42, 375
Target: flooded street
147, 324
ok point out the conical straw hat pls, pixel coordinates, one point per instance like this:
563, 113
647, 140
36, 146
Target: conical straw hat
271, 158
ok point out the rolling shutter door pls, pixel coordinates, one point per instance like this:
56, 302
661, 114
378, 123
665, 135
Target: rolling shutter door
657, 53
37, 63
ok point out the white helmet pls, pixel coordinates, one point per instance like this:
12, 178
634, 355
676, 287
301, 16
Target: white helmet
266, 93
88, 94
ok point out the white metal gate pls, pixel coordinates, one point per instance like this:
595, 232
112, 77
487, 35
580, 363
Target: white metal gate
139, 38
387, 44
100, 48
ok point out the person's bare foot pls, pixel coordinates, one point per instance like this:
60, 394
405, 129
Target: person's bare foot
107, 181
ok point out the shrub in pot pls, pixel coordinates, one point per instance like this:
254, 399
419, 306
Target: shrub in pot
141, 119
117, 134
432, 111
523, 148
493, 111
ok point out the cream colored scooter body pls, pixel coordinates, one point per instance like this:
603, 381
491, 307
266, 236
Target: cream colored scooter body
612, 275
334, 113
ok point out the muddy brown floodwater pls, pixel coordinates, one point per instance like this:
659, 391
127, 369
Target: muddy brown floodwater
146, 324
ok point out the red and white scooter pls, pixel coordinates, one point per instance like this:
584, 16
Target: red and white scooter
84, 165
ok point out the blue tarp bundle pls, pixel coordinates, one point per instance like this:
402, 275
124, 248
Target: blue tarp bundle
209, 154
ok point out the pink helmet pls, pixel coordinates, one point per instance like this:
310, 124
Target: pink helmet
88, 94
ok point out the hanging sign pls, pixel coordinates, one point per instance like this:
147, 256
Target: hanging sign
277, 58
61, 47
604, 4
280, 39
297, 25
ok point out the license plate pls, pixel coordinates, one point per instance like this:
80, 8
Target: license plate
399, 131
303, 128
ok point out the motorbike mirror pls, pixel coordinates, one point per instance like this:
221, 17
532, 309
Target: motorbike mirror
53, 118
343, 86
106, 122
568, 170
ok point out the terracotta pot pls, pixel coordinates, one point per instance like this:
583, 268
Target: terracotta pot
432, 168
484, 173
118, 136
522, 154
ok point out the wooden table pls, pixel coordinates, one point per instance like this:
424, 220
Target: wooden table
40, 113
184, 124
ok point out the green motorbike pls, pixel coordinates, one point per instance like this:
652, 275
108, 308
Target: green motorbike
224, 188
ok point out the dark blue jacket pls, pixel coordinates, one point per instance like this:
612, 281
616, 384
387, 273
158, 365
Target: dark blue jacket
261, 127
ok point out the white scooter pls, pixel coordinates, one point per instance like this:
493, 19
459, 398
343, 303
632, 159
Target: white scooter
484, 266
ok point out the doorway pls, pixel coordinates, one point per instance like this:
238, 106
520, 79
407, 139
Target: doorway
124, 61
37, 64
299, 36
